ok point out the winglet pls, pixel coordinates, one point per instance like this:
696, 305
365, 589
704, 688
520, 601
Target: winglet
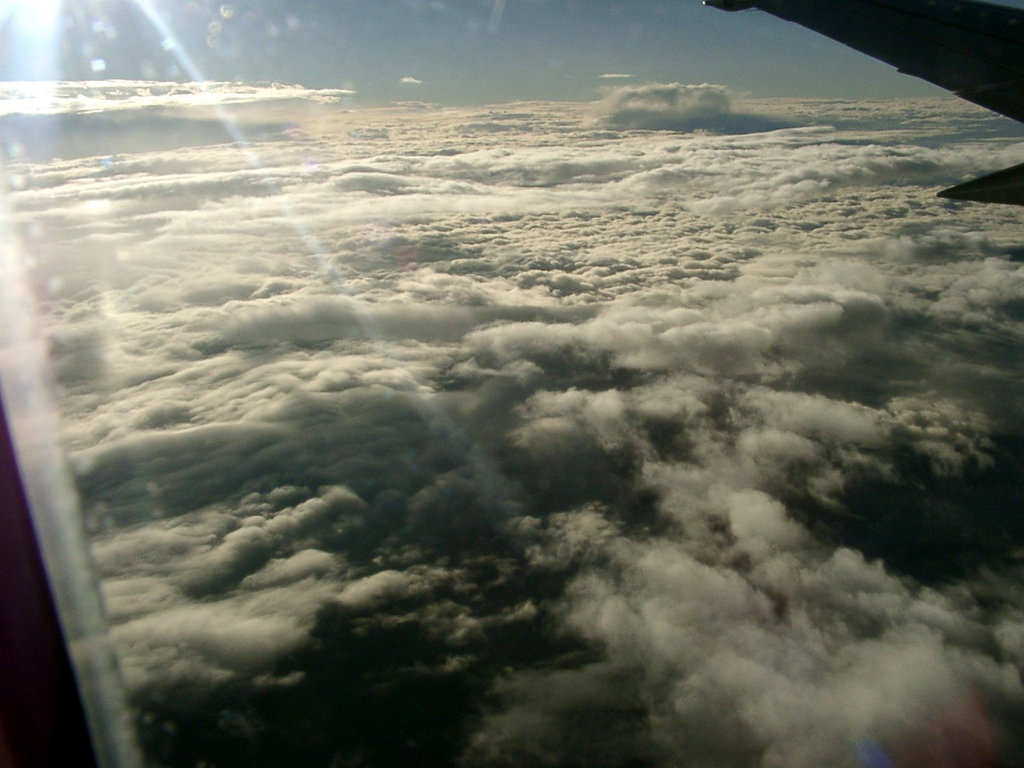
731, 5
1005, 186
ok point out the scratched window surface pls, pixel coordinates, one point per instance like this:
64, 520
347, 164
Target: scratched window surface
473, 383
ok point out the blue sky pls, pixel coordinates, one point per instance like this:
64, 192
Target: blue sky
455, 51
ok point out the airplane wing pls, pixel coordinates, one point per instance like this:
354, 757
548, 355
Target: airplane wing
974, 49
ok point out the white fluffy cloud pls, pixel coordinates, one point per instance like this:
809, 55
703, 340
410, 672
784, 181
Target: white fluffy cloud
695, 445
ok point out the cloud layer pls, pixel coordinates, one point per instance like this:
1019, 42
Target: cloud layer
500, 437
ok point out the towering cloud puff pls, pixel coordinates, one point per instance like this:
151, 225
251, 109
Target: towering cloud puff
677, 107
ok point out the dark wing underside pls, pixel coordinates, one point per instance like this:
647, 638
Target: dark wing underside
975, 50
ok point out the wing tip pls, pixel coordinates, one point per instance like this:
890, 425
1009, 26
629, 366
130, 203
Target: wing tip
1005, 186
731, 5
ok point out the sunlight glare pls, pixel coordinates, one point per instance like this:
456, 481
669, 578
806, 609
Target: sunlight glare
33, 30
33, 14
